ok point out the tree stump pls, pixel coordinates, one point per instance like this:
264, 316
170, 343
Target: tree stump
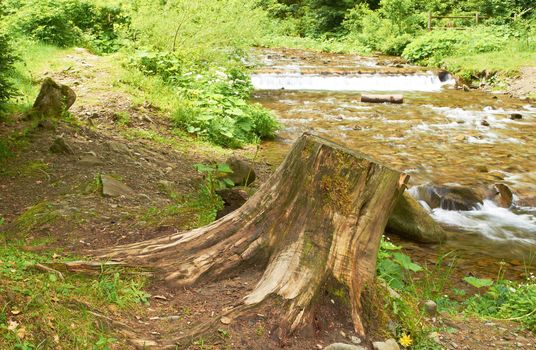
319, 217
53, 99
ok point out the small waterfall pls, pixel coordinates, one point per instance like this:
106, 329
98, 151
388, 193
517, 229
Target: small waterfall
427, 81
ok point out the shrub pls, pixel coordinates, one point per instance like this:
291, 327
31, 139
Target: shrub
213, 99
70, 22
7, 59
432, 47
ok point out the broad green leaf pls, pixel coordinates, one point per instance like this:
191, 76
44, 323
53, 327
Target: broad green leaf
478, 282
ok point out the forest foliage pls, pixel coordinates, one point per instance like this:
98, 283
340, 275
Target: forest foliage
199, 50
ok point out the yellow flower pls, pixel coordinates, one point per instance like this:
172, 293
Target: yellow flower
405, 340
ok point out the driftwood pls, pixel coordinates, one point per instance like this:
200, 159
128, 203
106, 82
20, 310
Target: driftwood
318, 219
382, 98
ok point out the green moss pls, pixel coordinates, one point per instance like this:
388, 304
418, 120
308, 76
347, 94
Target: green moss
34, 218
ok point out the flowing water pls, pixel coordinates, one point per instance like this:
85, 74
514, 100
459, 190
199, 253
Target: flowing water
439, 135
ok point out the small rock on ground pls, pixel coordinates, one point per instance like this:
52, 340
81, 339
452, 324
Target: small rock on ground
114, 188
59, 146
342, 346
389, 344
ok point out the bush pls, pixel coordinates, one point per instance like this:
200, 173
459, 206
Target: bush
213, 99
70, 22
7, 59
432, 47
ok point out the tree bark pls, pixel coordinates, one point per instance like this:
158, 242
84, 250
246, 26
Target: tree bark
319, 217
382, 98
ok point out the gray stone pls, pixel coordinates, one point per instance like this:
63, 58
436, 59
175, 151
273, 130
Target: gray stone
242, 172
410, 220
355, 340
430, 307
114, 188
90, 160
53, 99
342, 346
59, 146
118, 147
389, 344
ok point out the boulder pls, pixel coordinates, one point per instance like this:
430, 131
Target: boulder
114, 188
59, 146
516, 116
53, 99
243, 173
233, 198
502, 195
389, 344
449, 197
342, 346
410, 220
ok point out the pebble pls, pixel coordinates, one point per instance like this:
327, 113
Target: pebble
430, 307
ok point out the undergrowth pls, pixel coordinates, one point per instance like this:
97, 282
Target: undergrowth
44, 310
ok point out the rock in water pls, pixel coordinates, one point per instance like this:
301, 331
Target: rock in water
342, 346
389, 344
233, 198
114, 188
53, 100
448, 197
502, 195
59, 146
516, 116
243, 174
410, 220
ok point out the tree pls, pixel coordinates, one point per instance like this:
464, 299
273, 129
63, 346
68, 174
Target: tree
317, 221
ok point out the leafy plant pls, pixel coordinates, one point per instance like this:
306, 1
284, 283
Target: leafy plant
478, 282
7, 60
215, 179
393, 266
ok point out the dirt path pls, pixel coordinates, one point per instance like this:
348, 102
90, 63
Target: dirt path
61, 191
525, 85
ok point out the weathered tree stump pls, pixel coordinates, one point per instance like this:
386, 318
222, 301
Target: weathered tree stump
53, 99
320, 217
382, 98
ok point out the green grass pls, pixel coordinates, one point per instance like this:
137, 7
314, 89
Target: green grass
507, 62
40, 310
36, 59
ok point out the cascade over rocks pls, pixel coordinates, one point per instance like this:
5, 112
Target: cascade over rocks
53, 99
448, 197
318, 220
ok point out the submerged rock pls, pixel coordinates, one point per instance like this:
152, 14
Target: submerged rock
410, 220
243, 173
448, 197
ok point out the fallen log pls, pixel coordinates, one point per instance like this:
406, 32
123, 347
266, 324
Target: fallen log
382, 98
317, 220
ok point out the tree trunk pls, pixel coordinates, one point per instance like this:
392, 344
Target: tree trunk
320, 216
382, 98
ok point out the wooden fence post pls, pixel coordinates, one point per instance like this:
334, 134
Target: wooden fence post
429, 21
477, 17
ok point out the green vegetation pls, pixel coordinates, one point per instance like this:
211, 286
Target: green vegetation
42, 310
499, 299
